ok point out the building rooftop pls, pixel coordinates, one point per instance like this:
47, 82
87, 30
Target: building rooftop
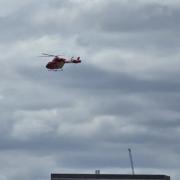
108, 176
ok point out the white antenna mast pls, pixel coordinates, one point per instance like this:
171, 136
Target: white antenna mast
131, 161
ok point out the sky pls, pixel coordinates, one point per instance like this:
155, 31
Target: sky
124, 94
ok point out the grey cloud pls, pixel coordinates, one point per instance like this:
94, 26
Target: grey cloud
124, 17
86, 116
89, 78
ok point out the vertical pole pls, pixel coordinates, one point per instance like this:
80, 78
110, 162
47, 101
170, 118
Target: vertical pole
131, 161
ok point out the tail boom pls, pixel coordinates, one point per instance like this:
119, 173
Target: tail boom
75, 61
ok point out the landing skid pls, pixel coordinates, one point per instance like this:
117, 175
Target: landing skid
55, 70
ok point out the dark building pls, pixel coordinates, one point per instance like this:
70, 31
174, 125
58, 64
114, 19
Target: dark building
99, 176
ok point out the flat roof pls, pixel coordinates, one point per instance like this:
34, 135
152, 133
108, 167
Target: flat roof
109, 176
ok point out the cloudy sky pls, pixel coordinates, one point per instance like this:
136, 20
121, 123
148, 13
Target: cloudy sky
124, 94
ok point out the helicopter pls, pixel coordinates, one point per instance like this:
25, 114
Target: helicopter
58, 62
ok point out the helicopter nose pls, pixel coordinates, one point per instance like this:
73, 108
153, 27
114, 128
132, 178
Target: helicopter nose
48, 66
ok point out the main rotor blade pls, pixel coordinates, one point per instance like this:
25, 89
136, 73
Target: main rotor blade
44, 56
50, 55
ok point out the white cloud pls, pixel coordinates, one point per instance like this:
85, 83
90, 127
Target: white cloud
9, 7
33, 123
140, 64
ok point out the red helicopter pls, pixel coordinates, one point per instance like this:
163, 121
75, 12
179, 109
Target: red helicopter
58, 62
